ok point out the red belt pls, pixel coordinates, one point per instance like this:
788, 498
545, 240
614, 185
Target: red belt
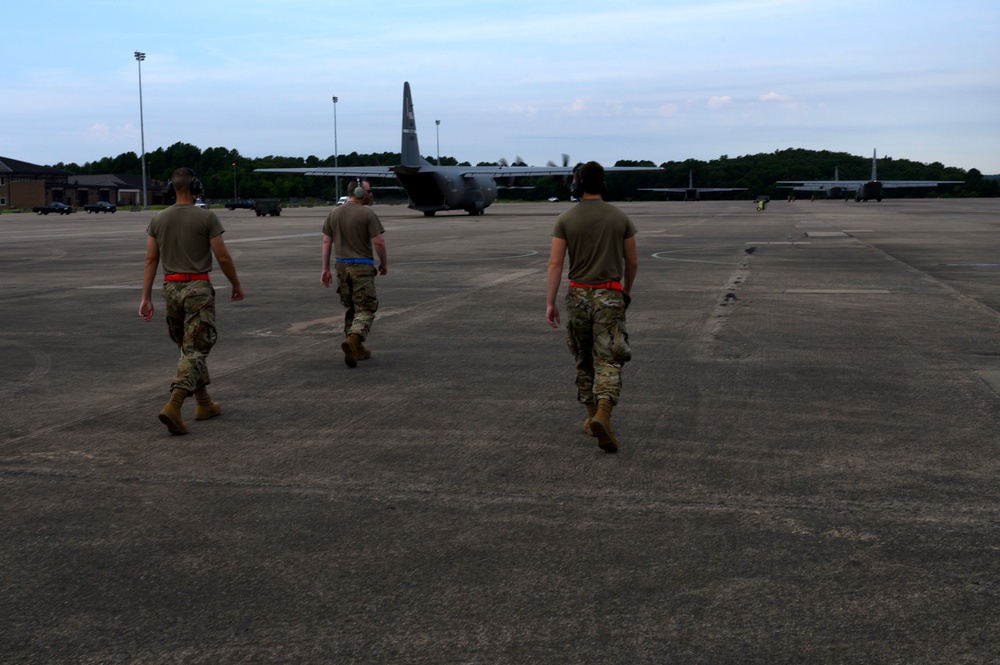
617, 286
186, 277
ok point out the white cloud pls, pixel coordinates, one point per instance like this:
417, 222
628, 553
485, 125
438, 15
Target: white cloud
128, 131
775, 97
98, 131
718, 102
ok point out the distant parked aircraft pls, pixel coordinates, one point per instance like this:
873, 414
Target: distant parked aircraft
864, 189
433, 188
691, 193
833, 191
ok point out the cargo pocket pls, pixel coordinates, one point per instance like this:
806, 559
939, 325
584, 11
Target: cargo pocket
620, 349
571, 342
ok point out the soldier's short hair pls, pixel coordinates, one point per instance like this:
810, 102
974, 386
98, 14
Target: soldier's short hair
592, 178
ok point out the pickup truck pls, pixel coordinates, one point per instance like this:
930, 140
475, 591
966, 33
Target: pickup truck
100, 206
233, 205
55, 206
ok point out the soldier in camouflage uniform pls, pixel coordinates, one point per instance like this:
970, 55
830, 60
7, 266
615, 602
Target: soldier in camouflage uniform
185, 238
350, 232
600, 241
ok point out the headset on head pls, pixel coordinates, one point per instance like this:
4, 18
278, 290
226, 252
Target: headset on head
359, 191
196, 188
576, 187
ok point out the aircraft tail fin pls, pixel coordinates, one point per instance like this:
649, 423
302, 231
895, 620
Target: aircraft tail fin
410, 149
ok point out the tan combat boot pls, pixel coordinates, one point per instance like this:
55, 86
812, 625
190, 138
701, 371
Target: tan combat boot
170, 415
205, 408
591, 412
600, 425
352, 349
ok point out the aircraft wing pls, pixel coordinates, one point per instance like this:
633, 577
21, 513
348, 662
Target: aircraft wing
677, 190
462, 171
895, 184
820, 185
343, 171
521, 171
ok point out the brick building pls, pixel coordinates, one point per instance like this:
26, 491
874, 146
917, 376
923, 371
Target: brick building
23, 185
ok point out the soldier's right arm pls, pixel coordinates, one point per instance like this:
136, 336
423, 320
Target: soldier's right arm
148, 275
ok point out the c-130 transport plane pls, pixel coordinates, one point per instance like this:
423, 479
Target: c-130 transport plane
433, 188
691, 193
864, 189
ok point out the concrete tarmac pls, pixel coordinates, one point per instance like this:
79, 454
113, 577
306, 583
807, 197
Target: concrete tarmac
808, 469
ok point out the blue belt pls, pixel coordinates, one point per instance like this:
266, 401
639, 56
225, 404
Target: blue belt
367, 262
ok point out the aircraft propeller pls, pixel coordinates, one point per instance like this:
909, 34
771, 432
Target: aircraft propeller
565, 162
503, 162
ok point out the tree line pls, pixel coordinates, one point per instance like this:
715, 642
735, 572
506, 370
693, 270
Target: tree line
221, 168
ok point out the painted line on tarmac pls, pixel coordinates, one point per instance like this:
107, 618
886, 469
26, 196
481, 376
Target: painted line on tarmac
263, 238
777, 242
660, 255
485, 258
123, 287
841, 291
61, 235
991, 377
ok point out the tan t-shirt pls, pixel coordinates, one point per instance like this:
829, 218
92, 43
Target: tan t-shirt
352, 227
183, 234
594, 232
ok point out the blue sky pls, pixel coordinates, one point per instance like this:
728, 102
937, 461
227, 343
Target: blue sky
645, 79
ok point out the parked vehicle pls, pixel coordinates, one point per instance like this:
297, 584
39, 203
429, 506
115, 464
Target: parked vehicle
270, 207
247, 204
200, 203
100, 206
55, 206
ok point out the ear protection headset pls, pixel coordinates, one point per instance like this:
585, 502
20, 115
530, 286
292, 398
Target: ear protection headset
576, 187
196, 188
359, 191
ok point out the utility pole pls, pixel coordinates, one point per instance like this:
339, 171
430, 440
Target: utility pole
139, 57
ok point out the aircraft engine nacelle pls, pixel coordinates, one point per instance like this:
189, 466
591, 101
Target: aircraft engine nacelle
869, 190
471, 193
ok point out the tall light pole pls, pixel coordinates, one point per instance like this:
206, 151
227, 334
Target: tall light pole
335, 150
437, 130
235, 198
139, 57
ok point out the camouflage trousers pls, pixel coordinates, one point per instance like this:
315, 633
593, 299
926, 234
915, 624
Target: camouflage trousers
356, 286
598, 340
191, 324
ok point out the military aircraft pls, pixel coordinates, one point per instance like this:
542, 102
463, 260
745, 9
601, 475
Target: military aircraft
864, 189
433, 188
832, 188
691, 193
